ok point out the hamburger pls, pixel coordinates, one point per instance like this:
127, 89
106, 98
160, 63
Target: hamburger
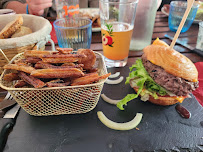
162, 76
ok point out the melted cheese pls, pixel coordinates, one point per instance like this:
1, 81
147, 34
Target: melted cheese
180, 99
152, 61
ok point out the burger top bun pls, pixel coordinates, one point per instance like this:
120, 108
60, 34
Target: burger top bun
172, 62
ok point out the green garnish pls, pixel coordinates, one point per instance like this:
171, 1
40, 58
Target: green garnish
109, 29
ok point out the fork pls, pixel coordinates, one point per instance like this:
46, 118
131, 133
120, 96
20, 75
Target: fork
8, 97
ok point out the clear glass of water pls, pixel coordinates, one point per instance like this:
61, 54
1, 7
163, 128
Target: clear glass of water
144, 24
176, 12
200, 37
73, 33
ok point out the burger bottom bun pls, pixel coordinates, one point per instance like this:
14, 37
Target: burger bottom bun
164, 101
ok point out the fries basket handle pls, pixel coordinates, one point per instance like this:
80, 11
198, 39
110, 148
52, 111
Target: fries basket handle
4, 55
44, 41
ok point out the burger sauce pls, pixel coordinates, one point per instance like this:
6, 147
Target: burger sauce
183, 111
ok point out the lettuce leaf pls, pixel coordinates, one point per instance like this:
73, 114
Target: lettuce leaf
143, 81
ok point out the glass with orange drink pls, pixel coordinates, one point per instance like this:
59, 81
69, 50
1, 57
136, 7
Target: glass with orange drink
117, 22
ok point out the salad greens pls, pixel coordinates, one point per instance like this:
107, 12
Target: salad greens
141, 79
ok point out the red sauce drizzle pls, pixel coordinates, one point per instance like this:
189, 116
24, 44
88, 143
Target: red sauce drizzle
183, 111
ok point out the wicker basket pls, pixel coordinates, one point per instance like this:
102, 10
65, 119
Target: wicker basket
57, 100
41, 35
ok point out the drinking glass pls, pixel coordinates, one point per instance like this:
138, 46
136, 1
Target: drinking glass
73, 33
176, 12
200, 37
117, 23
143, 25
67, 8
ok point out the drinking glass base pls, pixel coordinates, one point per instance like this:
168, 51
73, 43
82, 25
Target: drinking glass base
115, 63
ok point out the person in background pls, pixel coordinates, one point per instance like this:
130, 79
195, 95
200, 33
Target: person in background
1, 4
44, 8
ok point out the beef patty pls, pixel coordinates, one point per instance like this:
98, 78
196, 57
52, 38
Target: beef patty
176, 85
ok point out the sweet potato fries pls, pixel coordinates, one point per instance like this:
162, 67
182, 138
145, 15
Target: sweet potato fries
54, 68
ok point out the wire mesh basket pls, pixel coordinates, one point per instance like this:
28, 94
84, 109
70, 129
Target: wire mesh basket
57, 100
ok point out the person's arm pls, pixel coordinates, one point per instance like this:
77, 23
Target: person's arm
18, 7
35, 7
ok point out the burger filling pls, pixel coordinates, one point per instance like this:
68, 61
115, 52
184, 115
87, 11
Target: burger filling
149, 79
176, 85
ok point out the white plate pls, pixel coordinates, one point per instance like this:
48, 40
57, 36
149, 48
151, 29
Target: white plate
93, 11
7, 11
163, 10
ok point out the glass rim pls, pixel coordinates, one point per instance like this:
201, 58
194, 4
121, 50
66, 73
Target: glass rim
173, 3
130, 2
80, 27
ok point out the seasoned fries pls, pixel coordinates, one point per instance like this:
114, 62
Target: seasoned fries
20, 67
33, 59
37, 83
56, 58
20, 84
44, 65
11, 77
37, 53
54, 69
89, 60
57, 73
89, 78
64, 50
57, 83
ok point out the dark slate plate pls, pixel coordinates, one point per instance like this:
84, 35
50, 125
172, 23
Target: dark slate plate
161, 129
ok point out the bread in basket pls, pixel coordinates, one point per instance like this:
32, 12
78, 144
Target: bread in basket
40, 27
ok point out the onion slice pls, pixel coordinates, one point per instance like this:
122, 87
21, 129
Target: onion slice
107, 99
120, 126
108, 81
115, 75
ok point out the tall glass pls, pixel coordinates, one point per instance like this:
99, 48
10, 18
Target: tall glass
117, 23
67, 8
200, 37
143, 25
